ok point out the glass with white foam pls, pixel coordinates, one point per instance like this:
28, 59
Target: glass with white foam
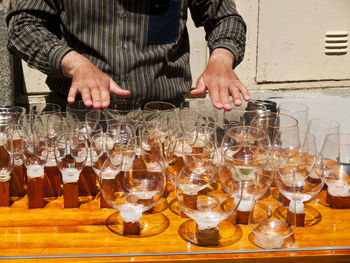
245, 165
299, 180
336, 152
202, 199
6, 166
71, 153
132, 186
35, 154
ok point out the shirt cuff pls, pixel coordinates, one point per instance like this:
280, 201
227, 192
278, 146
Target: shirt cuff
237, 53
55, 57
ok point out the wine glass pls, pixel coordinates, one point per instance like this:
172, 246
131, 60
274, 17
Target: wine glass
71, 152
88, 178
297, 110
320, 127
6, 166
102, 145
207, 204
79, 109
18, 133
248, 163
283, 132
245, 135
57, 123
118, 109
159, 106
336, 152
35, 154
300, 179
133, 187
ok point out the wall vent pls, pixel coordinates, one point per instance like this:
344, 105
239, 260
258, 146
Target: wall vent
336, 42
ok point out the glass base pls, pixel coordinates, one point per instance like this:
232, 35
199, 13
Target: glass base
151, 224
287, 242
312, 216
228, 233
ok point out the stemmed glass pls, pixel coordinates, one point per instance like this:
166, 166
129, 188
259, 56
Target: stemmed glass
207, 204
133, 189
35, 154
6, 166
320, 128
336, 152
297, 110
18, 133
88, 178
102, 145
283, 132
118, 109
248, 163
57, 124
185, 150
300, 179
71, 151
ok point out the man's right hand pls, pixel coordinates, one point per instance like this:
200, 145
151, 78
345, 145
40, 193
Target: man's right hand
93, 85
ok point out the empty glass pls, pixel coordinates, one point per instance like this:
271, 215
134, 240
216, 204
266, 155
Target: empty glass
6, 166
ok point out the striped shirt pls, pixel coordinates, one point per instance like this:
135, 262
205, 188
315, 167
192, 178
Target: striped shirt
142, 45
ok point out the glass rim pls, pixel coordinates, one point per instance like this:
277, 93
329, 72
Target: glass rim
330, 137
315, 122
303, 106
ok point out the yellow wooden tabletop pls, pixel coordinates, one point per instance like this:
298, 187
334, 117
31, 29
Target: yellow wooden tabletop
83, 235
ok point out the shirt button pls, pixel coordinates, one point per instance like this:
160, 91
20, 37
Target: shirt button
125, 46
123, 15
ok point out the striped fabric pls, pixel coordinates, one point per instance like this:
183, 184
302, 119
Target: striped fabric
114, 34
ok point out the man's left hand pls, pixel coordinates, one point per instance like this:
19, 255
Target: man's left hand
221, 81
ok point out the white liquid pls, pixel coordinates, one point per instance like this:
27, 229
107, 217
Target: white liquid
109, 173
297, 207
207, 219
338, 188
70, 175
268, 240
191, 189
35, 171
245, 205
130, 212
4, 175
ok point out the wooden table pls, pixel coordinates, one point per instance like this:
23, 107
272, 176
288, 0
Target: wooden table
81, 235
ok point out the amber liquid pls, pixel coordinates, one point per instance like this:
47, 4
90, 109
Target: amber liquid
131, 228
70, 195
4, 194
109, 188
35, 192
52, 181
17, 181
87, 182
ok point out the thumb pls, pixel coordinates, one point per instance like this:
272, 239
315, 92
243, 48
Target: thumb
117, 90
200, 87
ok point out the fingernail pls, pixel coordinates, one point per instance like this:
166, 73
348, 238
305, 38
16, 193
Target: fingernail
247, 97
219, 105
228, 106
237, 102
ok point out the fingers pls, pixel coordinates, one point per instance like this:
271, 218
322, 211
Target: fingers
114, 88
200, 87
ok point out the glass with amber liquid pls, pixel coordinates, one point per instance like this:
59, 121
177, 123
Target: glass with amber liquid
18, 132
132, 186
71, 153
88, 178
102, 145
6, 166
35, 158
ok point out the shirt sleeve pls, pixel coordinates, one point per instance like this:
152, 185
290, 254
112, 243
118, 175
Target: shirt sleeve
34, 35
223, 25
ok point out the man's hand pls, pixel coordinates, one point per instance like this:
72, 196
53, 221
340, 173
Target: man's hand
221, 81
93, 85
